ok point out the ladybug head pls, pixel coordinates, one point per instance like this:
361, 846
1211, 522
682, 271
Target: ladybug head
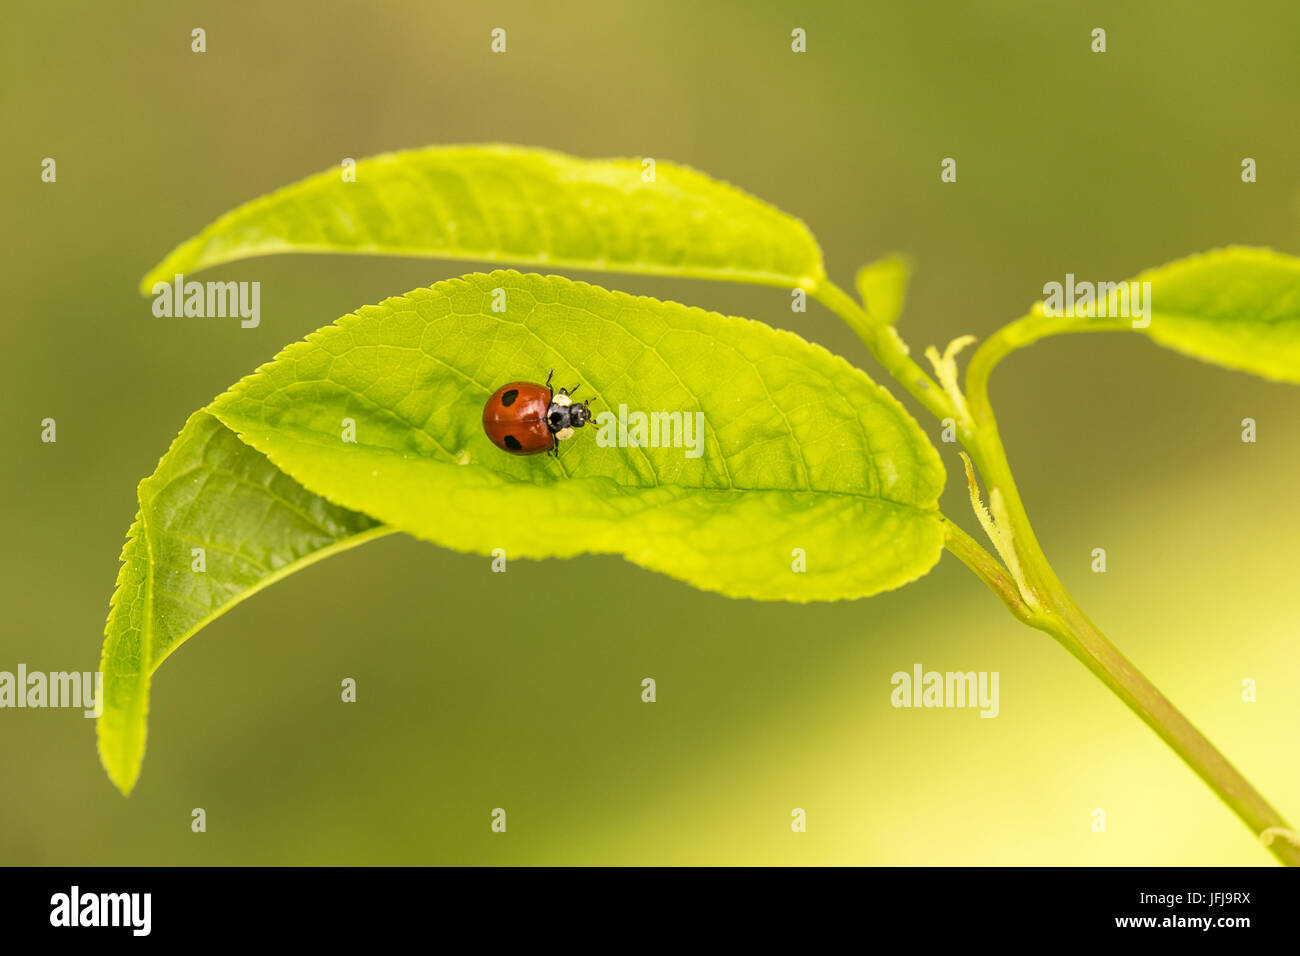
579, 415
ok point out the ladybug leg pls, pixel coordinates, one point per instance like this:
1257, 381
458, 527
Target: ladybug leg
574, 389
549, 377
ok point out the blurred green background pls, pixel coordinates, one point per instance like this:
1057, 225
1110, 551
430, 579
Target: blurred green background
1068, 161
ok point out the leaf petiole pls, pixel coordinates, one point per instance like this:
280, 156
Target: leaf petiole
888, 348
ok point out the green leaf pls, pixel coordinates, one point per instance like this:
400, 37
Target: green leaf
882, 285
1238, 307
799, 451
255, 525
527, 206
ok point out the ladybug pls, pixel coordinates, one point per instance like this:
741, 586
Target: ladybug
525, 418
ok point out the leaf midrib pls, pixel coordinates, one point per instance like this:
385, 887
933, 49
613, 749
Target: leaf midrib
317, 440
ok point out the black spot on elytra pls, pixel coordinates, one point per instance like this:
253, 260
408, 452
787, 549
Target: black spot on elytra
508, 398
511, 441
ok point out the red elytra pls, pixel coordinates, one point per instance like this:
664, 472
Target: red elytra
515, 418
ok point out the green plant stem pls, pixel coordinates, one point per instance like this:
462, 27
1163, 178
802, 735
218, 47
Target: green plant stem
1057, 614
1071, 627
1078, 635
